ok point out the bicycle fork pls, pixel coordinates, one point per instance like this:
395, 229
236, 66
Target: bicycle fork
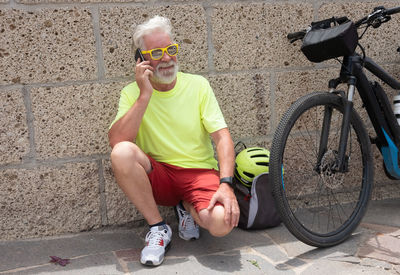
341, 164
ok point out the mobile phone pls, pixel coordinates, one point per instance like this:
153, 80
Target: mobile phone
139, 54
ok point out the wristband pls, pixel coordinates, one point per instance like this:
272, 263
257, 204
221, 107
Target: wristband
228, 180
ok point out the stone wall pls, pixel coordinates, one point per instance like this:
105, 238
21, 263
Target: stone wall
64, 62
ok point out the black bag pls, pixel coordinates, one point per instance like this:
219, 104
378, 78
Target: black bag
324, 42
257, 206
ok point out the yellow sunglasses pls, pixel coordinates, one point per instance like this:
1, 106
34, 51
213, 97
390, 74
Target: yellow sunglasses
158, 53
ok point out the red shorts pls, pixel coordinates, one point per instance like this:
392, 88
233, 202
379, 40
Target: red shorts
172, 184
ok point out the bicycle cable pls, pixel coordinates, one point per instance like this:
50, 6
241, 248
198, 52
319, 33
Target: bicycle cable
365, 29
361, 47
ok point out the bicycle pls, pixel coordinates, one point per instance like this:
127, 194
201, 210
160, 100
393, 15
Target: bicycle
321, 160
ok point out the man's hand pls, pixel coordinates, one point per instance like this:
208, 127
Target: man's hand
226, 196
143, 73
127, 127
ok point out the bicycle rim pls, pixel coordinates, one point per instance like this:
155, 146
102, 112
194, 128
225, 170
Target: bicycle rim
318, 205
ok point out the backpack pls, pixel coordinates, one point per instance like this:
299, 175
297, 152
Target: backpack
257, 206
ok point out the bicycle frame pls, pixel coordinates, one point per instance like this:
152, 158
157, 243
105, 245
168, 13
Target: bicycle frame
378, 107
324, 191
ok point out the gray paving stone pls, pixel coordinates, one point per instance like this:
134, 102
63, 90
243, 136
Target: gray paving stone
269, 251
103, 263
19, 254
375, 263
344, 268
382, 247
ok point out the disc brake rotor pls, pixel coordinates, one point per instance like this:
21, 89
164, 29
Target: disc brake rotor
328, 170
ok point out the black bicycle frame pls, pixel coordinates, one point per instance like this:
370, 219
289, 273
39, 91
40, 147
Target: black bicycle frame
378, 107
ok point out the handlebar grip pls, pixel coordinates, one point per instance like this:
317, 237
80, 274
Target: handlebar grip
296, 35
341, 20
393, 11
386, 12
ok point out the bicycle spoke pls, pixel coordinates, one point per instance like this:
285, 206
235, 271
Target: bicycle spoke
322, 199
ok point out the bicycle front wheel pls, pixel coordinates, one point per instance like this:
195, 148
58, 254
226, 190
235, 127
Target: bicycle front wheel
318, 204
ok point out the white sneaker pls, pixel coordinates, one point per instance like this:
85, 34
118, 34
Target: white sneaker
158, 240
188, 228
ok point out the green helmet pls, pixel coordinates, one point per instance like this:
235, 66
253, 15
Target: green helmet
250, 163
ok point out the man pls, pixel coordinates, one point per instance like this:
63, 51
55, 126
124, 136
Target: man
170, 116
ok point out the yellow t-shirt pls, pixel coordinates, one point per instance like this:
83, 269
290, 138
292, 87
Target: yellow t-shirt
176, 125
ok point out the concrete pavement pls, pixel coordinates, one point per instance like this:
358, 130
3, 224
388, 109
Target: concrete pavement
373, 249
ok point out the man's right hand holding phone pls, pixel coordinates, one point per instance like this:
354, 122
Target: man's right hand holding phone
143, 73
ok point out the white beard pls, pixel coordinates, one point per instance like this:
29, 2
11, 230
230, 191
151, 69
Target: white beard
165, 76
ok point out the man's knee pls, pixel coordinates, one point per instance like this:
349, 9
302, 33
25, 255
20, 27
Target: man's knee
123, 151
215, 221
221, 231
127, 153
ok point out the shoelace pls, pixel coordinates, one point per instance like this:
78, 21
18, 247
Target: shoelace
189, 222
154, 238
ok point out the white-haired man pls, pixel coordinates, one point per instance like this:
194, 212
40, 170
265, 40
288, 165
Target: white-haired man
162, 152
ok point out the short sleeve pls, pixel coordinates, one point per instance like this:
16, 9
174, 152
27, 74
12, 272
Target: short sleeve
212, 117
129, 94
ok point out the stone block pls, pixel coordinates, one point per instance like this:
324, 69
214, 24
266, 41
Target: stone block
380, 44
259, 141
46, 45
253, 35
14, 136
387, 189
32, 2
49, 200
291, 85
119, 209
189, 30
245, 102
74, 120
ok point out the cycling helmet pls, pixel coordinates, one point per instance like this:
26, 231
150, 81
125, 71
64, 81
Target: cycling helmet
251, 162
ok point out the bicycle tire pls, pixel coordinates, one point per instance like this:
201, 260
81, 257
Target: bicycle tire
319, 207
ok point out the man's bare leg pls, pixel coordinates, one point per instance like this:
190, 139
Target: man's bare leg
131, 166
212, 220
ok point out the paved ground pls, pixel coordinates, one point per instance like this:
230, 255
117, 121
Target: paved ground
373, 249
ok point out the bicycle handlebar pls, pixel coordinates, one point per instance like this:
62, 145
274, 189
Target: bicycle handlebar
300, 34
296, 35
376, 18
393, 11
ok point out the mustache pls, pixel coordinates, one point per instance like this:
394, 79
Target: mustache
166, 64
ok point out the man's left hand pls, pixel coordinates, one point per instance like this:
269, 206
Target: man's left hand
226, 196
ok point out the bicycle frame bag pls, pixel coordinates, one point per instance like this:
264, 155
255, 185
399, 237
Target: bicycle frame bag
257, 205
323, 41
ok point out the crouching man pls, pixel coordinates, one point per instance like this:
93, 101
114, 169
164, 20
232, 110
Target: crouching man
161, 146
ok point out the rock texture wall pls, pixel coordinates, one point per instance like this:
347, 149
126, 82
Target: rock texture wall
64, 62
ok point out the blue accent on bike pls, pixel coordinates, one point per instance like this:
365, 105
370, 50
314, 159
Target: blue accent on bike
390, 157
283, 184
